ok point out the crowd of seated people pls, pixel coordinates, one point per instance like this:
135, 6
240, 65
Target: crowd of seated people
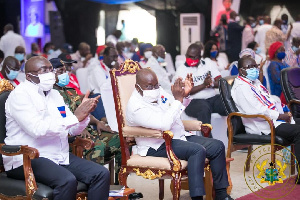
55, 107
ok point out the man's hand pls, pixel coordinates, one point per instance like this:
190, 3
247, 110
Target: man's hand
188, 84
208, 81
178, 90
101, 126
285, 117
87, 106
86, 134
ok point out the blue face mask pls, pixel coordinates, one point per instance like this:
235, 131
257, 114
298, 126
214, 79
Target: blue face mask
261, 22
213, 54
19, 56
50, 51
12, 74
253, 24
281, 55
258, 50
160, 59
252, 74
63, 79
295, 48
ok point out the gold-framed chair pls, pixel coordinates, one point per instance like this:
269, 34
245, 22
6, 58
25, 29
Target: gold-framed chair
123, 83
12, 189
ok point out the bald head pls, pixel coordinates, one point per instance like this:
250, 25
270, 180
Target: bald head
267, 19
84, 49
8, 27
12, 62
35, 63
146, 79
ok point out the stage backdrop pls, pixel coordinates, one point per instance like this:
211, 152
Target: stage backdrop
217, 6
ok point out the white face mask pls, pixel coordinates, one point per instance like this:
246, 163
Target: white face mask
47, 81
237, 18
150, 96
113, 63
148, 54
82, 59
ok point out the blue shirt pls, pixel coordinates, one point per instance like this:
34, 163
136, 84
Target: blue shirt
274, 70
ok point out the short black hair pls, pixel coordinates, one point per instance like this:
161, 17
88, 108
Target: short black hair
242, 60
107, 49
1, 54
251, 45
47, 45
207, 48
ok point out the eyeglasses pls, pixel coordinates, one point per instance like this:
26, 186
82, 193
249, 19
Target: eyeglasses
151, 87
44, 70
252, 66
13, 69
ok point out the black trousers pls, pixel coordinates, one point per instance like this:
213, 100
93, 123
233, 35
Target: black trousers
195, 150
63, 178
290, 132
202, 108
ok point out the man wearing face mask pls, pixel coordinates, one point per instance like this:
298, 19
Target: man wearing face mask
107, 143
82, 56
260, 36
98, 76
252, 98
248, 33
146, 53
43, 121
20, 56
120, 46
73, 83
292, 54
234, 37
277, 55
10, 70
155, 62
150, 106
206, 77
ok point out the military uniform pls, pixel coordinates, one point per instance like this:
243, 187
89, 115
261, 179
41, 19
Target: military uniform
107, 144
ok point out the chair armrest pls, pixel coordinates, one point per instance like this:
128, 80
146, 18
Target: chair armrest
174, 161
293, 101
133, 131
268, 119
80, 144
28, 153
192, 125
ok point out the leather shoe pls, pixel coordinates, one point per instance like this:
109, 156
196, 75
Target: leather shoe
226, 198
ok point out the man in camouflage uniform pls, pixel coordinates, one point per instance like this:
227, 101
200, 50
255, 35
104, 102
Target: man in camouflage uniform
107, 143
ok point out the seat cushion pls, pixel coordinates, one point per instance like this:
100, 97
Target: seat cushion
152, 162
257, 139
13, 187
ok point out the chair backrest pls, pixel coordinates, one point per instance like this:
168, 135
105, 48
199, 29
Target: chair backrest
82, 77
290, 83
225, 85
5, 88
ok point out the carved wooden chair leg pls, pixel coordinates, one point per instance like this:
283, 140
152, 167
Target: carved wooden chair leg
123, 174
161, 189
293, 165
208, 184
177, 185
229, 188
249, 159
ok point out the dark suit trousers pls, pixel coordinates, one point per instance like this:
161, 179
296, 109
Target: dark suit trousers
63, 178
202, 108
195, 150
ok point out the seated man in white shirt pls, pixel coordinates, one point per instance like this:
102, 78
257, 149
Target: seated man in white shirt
99, 75
42, 120
251, 97
206, 76
151, 107
10, 70
154, 62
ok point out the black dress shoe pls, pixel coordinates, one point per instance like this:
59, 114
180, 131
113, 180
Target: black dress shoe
226, 198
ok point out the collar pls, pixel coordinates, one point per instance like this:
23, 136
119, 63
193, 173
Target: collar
104, 66
246, 80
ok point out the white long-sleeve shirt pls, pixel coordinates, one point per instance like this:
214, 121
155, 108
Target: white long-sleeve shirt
163, 115
98, 74
260, 36
247, 102
161, 73
9, 42
34, 119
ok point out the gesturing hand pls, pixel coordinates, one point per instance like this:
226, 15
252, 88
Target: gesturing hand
87, 106
188, 84
101, 126
208, 81
178, 90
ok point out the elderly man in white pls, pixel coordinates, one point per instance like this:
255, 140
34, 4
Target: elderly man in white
152, 107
